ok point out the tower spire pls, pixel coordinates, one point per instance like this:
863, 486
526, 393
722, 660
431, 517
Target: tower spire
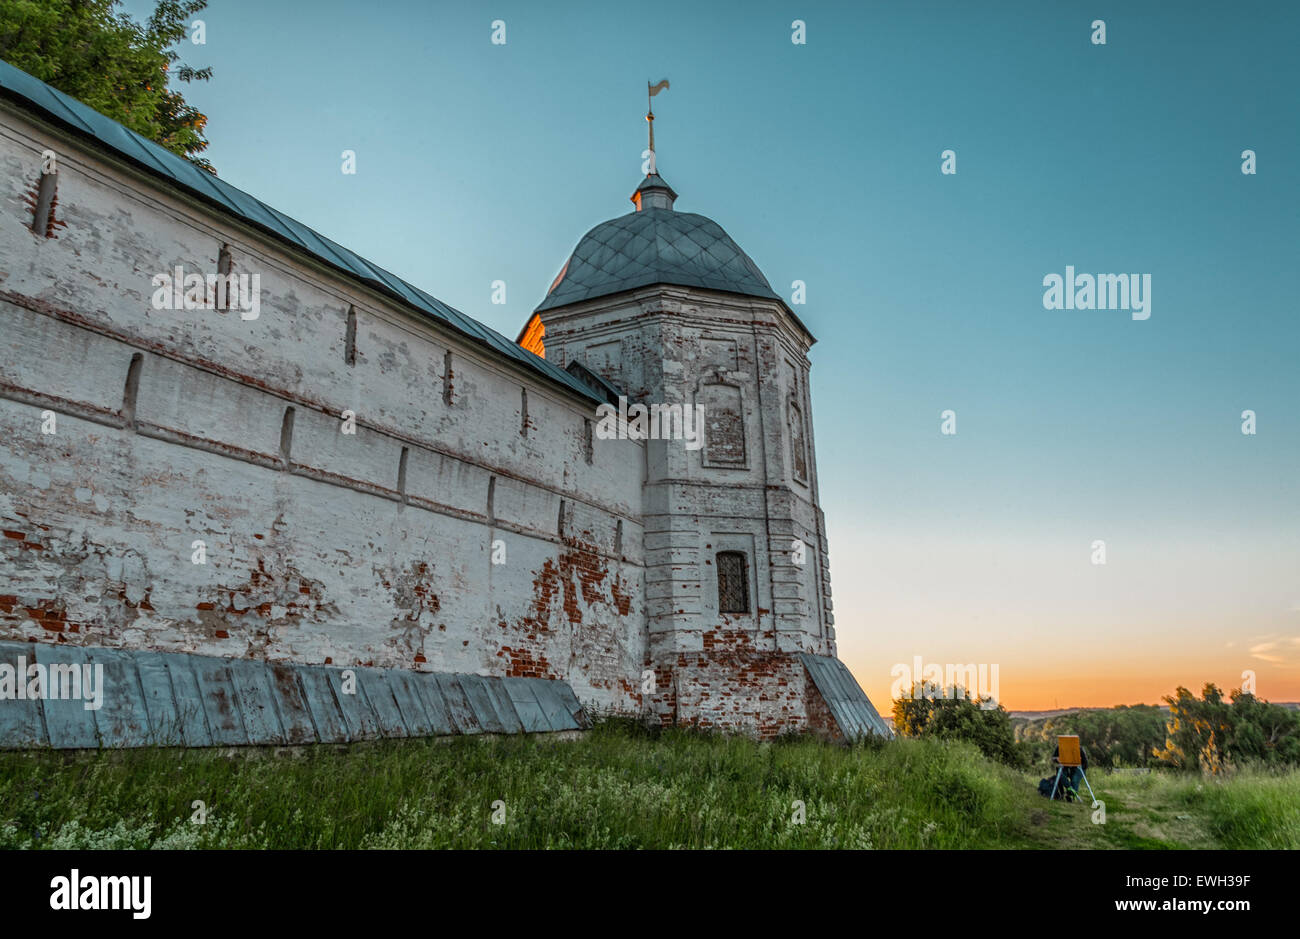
654, 192
651, 91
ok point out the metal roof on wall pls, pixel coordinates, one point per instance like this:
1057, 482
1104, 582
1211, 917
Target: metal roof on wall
85, 120
848, 703
175, 699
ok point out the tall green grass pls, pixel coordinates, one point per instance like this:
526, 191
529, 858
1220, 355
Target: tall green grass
617, 787
1248, 809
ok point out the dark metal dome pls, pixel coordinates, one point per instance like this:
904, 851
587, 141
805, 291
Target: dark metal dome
655, 246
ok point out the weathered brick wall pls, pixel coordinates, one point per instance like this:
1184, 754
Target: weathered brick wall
733, 686
318, 554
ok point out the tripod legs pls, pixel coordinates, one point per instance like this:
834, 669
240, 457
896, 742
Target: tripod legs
1089, 785
1055, 785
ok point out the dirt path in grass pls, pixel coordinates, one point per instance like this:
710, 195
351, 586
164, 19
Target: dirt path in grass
1143, 817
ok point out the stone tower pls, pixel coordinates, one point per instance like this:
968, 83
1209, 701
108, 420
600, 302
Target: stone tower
662, 307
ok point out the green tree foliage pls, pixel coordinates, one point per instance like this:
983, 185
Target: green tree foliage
1214, 734
101, 56
1118, 736
954, 715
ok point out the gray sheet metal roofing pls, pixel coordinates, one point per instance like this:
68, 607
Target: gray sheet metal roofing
172, 699
656, 246
849, 704
81, 118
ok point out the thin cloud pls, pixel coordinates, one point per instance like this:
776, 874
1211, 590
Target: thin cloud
1284, 650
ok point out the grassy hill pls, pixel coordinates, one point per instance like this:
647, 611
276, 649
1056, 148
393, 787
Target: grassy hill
616, 787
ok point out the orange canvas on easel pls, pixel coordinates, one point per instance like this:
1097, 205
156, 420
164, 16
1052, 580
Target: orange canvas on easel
1068, 750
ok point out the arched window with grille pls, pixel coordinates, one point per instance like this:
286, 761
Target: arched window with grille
733, 582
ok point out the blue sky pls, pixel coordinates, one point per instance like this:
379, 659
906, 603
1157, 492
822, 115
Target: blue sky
478, 162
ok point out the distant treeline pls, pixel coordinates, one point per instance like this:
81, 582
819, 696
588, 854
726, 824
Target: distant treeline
1213, 733
1118, 736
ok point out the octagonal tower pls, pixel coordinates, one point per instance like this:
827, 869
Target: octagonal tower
661, 307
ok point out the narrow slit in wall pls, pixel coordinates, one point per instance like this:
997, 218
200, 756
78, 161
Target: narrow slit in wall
132, 389
401, 473
224, 267
286, 437
350, 339
44, 212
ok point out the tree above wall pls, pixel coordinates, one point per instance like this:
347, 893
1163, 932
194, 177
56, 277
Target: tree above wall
99, 55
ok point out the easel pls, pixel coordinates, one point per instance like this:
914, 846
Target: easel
1070, 755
